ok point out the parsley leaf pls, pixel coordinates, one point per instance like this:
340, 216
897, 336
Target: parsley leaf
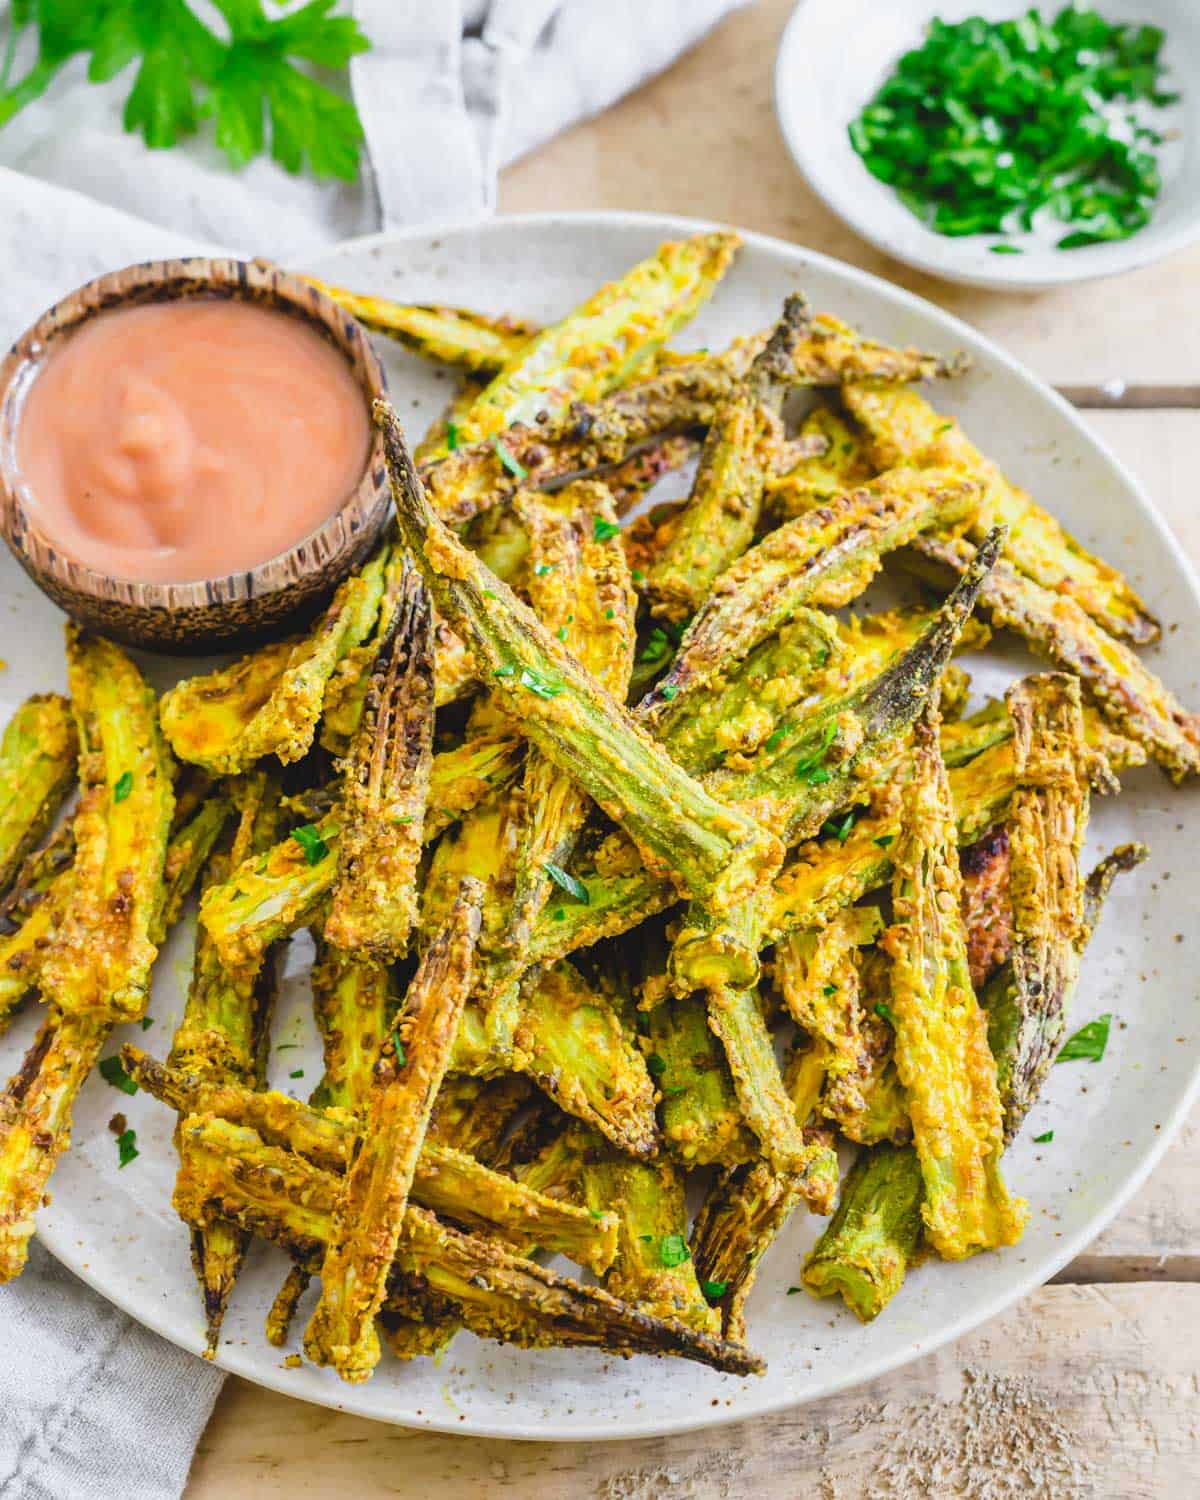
1089, 1041
127, 1147
1044, 1139
656, 1065
314, 846
451, 437
540, 685
809, 767
567, 881
713, 1289
186, 73
839, 828
296, 1073
673, 1251
604, 531
401, 1055
518, 470
884, 1011
122, 786
112, 1072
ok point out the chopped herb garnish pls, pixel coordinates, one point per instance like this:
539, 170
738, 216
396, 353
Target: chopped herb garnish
507, 670
638, 576
1088, 1043
610, 613
656, 1065
451, 436
404, 818
604, 531
678, 1088
809, 768
112, 1072
566, 881
830, 989
775, 738
839, 828
541, 569
792, 1290
561, 632
885, 840
287, 1046
1044, 1139
657, 647
595, 1213
884, 1011
645, 1238
296, 1073
517, 470
490, 594
674, 1251
314, 846
538, 684
560, 914
713, 1289
990, 127
669, 690
122, 786
127, 1147
146, 1022
401, 1057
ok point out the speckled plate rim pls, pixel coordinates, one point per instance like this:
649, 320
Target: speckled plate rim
250, 1364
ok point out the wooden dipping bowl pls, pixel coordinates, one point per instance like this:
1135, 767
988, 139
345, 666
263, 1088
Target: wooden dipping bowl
213, 613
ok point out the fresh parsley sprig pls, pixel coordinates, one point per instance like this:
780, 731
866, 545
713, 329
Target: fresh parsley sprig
252, 82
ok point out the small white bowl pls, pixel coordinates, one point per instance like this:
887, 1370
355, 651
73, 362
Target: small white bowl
835, 54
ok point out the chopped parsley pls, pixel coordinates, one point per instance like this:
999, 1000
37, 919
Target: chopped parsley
829, 990
112, 1072
1088, 1043
566, 881
451, 436
1006, 250
673, 1251
122, 786
401, 1055
792, 1290
561, 632
657, 647
713, 1290
508, 670
809, 767
610, 613
127, 1147
885, 840
314, 846
146, 1022
678, 1088
656, 1065
296, 1073
669, 690
517, 470
839, 828
884, 1011
538, 684
541, 569
604, 531
775, 738
1044, 1139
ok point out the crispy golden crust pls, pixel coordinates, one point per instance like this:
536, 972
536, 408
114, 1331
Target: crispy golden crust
384, 790
986, 908
99, 961
38, 753
369, 1213
941, 1033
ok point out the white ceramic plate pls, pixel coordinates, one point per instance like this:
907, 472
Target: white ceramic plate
1111, 1121
836, 53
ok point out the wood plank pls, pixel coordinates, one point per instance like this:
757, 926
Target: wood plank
702, 140
1080, 1392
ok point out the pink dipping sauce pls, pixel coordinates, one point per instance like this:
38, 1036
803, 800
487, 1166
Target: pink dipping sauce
186, 440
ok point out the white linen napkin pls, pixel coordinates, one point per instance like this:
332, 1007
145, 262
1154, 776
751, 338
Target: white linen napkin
92, 1406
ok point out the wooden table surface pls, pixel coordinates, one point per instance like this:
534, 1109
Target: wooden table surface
1090, 1388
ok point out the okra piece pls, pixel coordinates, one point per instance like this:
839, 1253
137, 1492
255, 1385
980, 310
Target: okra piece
353, 1003
883, 1114
713, 851
806, 561
38, 754
602, 342
839, 746
570, 1041
473, 1115
498, 1294
1046, 823
223, 1038
1056, 627
817, 975
723, 510
579, 586
384, 790
31, 923
905, 429
35, 1121
369, 1213
941, 1032
874, 1234
747, 1208
815, 479
653, 1268
702, 1122
986, 905
99, 961
457, 336
222, 720
187, 855
446, 1180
